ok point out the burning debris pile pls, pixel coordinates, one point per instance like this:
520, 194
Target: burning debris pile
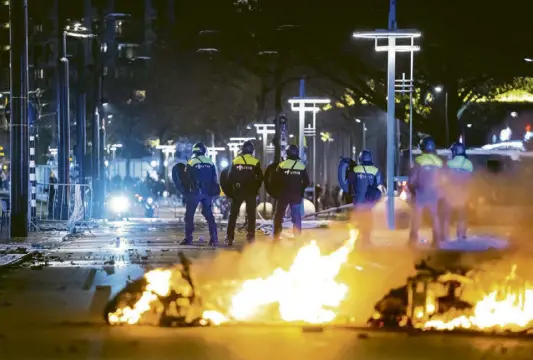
458, 300
307, 292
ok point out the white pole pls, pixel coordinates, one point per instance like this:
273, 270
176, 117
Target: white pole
314, 158
301, 130
391, 124
411, 88
364, 134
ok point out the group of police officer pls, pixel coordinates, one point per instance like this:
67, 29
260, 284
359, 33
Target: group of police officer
290, 179
439, 187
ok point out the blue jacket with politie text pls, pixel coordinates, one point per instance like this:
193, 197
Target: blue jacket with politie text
427, 177
291, 178
202, 176
245, 175
459, 173
360, 178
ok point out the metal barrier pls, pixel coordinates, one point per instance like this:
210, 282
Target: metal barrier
60, 205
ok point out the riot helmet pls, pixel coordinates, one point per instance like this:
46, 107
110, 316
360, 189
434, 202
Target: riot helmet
293, 152
365, 157
427, 145
458, 149
199, 149
248, 148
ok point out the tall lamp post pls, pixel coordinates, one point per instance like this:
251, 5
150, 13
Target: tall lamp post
392, 35
438, 90
212, 152
235, 144
303, 105
233, 147
264, 130
19, 154
77, 31
326, 138
363, 126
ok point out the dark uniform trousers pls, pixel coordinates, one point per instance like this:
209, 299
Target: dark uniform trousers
250, 201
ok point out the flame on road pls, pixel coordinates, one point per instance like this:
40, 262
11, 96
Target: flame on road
158, 283
508, 308
307, 291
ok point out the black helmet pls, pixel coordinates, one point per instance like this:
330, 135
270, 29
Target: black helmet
365, 157
427, 144
199, 149
293, 152
248, 147
458, 149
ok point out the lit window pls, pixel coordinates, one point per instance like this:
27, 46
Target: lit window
106, 70
38, 28
140, 95
103, 47
39, 73
119, 27
6, 25
7, 47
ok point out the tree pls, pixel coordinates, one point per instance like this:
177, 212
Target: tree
126, 127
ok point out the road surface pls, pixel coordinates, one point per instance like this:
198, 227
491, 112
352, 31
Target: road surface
56, 311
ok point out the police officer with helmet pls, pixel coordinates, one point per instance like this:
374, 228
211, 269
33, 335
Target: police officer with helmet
459, 171
291, 179
365, 181
426, 180
202, 178
245, 178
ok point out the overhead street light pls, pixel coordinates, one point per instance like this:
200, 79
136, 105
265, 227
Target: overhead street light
392, 35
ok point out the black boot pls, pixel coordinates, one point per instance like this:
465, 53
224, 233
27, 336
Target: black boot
186, 242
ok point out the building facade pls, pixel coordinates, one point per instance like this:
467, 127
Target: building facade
126, 32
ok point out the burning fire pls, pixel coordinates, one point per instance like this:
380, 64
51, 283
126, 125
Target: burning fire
508, 308
307, 292
158, 283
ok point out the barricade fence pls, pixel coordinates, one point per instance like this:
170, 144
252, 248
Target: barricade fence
67, 204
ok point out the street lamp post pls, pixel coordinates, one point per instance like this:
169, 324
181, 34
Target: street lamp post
392, 35
303, 105
363, 125
212, 152
64, 116
438, 90
326, 138
19, 154
233, 147
264, 130
235, 144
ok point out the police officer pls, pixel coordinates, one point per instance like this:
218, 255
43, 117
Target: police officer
202, 178
365, 183
291, 179
425, 184
459, 176
245, 178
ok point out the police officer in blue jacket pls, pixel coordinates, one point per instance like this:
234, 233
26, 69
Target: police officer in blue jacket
291, 178
245, 178
204, 186
426, 180
365, 181
459, 171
